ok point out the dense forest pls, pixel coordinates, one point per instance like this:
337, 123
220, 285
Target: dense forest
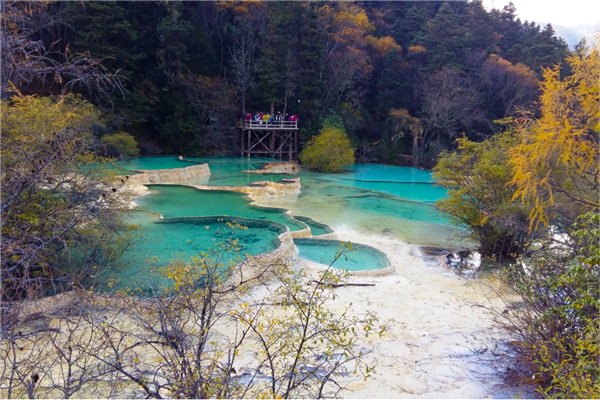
188, 69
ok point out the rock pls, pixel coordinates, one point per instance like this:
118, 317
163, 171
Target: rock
279, 167
167, 175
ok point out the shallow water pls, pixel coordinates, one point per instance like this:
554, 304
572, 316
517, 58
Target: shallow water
360, 258
173, 201
149, 163
404, 211
316, 229
166, 240
227, 171
408, 183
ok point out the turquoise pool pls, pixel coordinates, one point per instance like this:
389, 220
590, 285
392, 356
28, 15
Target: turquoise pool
173, 201
150, 163
404, 182
316, 229
166, 240
227, 171
364, 258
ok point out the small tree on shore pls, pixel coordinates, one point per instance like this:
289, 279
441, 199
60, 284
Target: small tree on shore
479, 197
331, 151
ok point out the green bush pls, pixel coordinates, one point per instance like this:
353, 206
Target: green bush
120, 144
480, 199
561, 286
329, 152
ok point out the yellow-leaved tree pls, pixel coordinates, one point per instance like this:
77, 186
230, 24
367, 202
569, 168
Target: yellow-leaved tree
556, 165
331, 151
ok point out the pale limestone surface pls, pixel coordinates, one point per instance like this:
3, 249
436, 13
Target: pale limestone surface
278, 167
135, 184
167, 175
328, 236
248, 268
440, 340
261, 189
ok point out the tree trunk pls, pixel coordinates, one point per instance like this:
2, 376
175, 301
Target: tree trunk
284, 109
272, 107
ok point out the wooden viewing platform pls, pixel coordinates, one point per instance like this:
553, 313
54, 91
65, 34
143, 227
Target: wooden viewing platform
274, 139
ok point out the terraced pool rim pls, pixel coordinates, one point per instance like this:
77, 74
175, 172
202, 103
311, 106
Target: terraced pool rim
381, 256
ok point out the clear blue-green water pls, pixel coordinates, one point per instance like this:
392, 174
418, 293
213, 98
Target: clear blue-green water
404, 182
165, 240
374, 199
396, 202
173, 201
316, 228
227, 171
149, 163
362, 258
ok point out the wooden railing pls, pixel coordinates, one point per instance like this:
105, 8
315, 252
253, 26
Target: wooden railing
274, 125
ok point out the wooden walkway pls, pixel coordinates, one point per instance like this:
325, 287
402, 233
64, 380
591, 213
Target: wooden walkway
274, 139
262, 125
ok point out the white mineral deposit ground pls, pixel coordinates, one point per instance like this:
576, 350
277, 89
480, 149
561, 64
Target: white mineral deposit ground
440, 341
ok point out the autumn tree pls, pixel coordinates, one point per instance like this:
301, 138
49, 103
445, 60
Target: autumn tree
62, 215
555, 178
120, 144
556, 167
477, 176
346, 60
330, 151
509, 87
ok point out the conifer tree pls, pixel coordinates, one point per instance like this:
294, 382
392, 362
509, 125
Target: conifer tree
445, 39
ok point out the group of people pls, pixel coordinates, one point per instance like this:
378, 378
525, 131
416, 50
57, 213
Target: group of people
264, 117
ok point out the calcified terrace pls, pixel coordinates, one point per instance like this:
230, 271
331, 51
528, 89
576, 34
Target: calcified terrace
439, 341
